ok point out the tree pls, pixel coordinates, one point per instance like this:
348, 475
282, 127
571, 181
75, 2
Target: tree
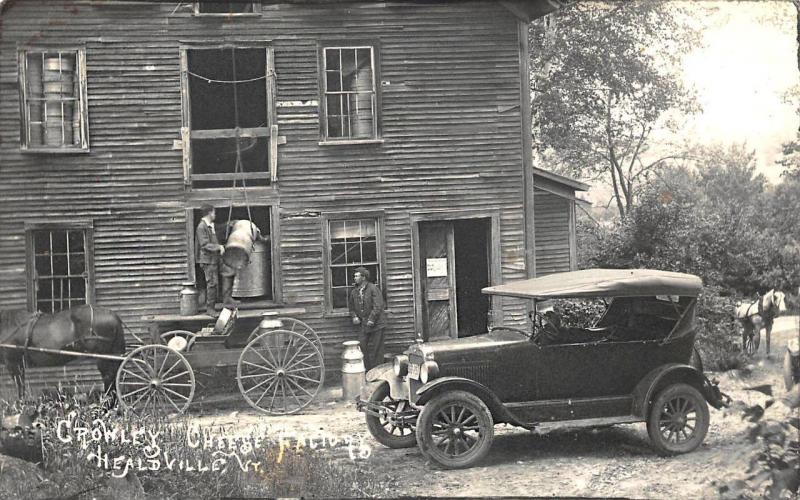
603, 84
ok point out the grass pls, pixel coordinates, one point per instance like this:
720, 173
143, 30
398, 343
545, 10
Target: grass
70, 469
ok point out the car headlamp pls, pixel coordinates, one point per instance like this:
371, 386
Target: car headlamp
428, 371
400, 365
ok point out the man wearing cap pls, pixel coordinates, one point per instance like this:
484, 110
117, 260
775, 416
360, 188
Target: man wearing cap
207, 254
551, 323
366, 311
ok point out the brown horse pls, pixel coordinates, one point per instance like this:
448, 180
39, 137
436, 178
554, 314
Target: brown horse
84, 329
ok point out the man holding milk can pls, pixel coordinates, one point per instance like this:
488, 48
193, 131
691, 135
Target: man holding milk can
366, 311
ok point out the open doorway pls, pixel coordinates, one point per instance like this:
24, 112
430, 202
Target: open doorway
471, 238
454, 265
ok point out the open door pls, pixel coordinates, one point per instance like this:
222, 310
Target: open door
454, 266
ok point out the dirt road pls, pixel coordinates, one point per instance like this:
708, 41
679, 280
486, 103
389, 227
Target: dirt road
615, 461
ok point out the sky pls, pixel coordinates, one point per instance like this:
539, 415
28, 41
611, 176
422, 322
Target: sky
742, 76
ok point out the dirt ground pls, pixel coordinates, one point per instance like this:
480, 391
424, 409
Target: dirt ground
562, 461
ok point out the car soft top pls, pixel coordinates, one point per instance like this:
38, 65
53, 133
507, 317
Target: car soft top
602, 283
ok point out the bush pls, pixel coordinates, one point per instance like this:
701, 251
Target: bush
718, 335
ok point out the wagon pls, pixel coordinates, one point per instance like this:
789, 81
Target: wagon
279, 365
279, 370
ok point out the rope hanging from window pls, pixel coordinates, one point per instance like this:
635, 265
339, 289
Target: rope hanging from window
233, 82
239, 167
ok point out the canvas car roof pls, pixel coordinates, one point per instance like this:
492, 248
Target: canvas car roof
602, 283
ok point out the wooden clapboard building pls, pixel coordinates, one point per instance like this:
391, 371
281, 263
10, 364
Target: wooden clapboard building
394, 135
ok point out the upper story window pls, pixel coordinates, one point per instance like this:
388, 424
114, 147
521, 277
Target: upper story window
53, 96
229, 134
60, 266
227, 7
349, 105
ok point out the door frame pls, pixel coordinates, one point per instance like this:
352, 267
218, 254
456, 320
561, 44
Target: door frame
495, 264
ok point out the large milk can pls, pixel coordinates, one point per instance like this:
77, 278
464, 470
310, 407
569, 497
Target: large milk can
352, 370
188, 299
252, 279
240, 244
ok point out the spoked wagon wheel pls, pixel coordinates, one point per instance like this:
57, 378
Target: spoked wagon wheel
293, 325
155, 379
751, 343
280, 372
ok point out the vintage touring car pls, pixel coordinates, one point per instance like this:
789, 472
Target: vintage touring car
637, 363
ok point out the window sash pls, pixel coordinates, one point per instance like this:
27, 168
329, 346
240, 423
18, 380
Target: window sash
255, 10
373, 237
36, 102
346, 119
60, 275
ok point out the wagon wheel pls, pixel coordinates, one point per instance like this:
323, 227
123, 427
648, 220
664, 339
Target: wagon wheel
297, 326
280, 372
186, 334
751, 343
155, 378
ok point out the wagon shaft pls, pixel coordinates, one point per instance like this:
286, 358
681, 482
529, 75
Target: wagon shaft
62, 352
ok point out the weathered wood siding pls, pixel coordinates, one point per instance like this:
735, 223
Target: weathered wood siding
553, 225
452, 130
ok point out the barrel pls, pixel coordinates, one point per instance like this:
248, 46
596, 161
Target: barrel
240, 244
353, 371
188, 299
252, 279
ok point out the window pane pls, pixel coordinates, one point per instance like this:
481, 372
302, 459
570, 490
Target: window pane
77, 264
331, 59
337, 253
75, 241
44, 289
333, 82
360, 108
41, 242
59, 241
337, 230
349, 68
339, 276
353, 253
367, 228
43, 266
224, 7
340, 297
60, 265
369, 251
78, 289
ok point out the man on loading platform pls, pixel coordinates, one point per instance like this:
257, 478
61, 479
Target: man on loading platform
208, 252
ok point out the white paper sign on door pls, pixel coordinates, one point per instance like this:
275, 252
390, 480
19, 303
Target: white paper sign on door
436, 268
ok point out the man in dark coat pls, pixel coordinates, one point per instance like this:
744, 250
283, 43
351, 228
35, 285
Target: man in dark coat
207, 254
366, 311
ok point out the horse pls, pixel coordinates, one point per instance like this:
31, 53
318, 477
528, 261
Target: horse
759, 315
84, 329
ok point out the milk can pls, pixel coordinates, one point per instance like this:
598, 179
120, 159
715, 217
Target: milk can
188, 299
352, 370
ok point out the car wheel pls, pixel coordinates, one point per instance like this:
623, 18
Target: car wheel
455, 429
678, 420
384, 430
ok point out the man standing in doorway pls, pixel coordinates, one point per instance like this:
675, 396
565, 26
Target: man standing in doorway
208, 253
366, 310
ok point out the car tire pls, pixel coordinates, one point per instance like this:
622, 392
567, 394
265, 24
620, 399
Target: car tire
466, 425
384, 431
680, 412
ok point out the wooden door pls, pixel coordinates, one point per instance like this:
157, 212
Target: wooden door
437, 273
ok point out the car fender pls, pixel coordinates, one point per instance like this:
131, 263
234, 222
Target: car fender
383, 373
500, 413
646, 390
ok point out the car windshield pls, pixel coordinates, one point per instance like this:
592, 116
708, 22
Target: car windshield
574, 321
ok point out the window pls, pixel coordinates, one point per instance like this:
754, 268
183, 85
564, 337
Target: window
59, 267
53, 96
227, 8
349, 104
229, 114
351, 243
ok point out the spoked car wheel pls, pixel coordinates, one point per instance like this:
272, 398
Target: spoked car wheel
383, 429
455, 429
678, 420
